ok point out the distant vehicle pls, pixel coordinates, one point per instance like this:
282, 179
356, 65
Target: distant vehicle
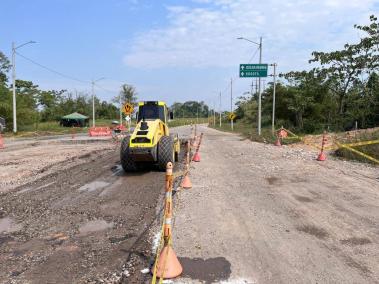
2, 124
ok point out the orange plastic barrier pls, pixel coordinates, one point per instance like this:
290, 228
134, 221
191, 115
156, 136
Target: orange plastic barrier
100, 131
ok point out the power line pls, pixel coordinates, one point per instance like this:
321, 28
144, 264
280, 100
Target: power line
52, 70
236, 77
106, 90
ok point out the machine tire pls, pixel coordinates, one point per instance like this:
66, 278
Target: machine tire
165, 152
127, 162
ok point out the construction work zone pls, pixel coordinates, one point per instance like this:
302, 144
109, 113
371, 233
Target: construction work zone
328, 142
247, 213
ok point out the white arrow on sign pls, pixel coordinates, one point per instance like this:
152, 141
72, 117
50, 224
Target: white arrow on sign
242, 67
242, 73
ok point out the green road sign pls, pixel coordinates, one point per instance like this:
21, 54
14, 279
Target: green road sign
253, 70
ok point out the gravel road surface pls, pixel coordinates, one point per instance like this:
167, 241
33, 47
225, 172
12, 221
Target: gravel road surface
256, 214
264, 214
70, 214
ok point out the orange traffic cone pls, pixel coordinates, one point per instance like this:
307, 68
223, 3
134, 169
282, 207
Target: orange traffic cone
322, 157
186, 182
1, 142
196, 157
277, 142
167, 265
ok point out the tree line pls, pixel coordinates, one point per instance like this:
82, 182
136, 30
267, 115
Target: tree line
338, 94
35, 105
190, 109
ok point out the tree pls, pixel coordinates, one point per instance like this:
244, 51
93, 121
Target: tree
128, 94
4, 68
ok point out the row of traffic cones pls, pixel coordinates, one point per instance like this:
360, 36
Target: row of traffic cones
167, 265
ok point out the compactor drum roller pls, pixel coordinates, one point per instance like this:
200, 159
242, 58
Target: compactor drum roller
151, 141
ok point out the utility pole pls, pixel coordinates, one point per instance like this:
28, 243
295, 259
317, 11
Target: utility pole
214, 113
197, 115
231, 102
220, 109
93, 104
14, 87
14, 47
120, 110
93, 100
260, 94
273, 100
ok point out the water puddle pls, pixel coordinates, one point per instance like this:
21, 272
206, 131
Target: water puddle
94, 226
211, 270
8, 225
92, 186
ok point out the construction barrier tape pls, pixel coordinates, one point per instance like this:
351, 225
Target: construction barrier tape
357, 152
363, 143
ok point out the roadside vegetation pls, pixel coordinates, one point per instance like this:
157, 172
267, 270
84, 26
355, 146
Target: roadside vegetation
339, 93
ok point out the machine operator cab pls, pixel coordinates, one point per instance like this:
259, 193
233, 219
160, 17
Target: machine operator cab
153, 110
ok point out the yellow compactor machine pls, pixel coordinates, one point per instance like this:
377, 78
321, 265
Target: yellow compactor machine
151, 141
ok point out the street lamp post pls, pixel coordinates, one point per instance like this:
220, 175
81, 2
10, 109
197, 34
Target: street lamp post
14, 47
259, 83
214, 114
93, 101
273, 98
231, 104
220, 109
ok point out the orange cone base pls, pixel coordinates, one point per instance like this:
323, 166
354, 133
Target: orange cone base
186, 182
196, 157
171, 265
277, 143
321, 157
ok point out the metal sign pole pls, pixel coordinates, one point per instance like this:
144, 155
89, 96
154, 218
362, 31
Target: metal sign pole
231, 102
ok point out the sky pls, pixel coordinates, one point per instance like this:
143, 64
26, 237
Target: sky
171, 50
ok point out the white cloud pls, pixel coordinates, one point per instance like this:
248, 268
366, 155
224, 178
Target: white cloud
205, 36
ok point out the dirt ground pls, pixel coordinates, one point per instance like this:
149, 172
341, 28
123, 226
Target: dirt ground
264, 214
256, 214
25, 161
70, 214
